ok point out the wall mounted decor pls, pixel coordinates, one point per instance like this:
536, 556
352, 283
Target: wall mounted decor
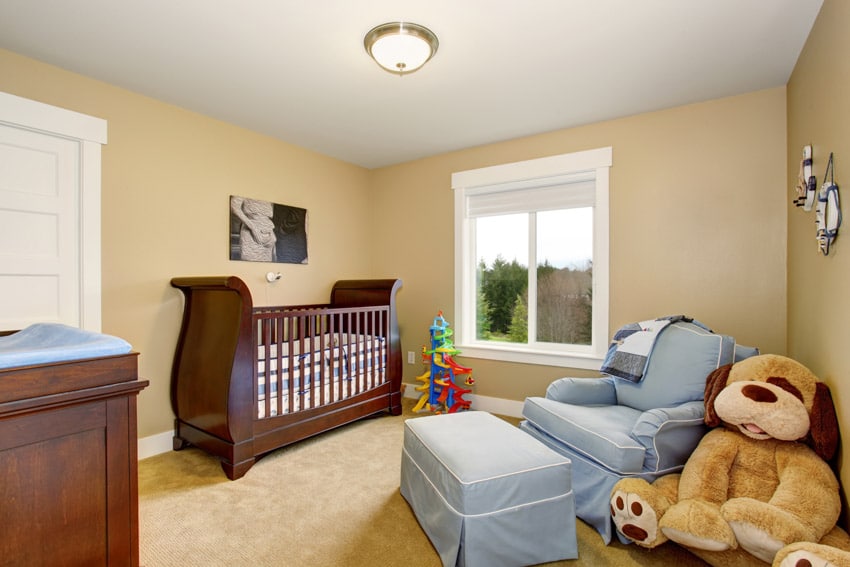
262, 231
806, 182
828, 210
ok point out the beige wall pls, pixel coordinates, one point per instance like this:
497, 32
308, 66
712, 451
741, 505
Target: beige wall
698, 225
167, 177
698, 220
818, 300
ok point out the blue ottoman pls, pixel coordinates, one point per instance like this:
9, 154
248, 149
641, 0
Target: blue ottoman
486, 493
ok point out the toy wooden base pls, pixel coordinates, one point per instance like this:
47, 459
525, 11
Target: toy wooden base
486, 493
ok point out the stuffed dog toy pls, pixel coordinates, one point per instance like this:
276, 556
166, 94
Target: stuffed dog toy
753, 486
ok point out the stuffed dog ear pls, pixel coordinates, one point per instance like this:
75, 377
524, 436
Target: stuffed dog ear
715, 382
824, 423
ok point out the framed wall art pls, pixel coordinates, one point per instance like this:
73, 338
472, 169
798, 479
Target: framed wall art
262, 231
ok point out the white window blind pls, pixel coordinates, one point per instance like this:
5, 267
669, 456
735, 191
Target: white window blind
487, 201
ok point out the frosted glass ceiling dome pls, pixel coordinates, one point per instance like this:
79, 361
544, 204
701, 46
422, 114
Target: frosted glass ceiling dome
401, 47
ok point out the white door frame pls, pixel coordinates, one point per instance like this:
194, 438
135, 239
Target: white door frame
90, 132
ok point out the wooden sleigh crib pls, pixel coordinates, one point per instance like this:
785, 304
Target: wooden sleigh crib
247, 380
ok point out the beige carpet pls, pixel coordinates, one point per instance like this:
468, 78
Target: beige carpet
329, 501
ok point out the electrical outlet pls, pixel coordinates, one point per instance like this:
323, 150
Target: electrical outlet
411, 357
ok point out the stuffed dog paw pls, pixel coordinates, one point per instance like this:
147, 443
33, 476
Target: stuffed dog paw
832, 551
753, 486
805, 554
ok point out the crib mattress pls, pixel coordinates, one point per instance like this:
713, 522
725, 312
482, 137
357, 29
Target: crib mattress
321, 368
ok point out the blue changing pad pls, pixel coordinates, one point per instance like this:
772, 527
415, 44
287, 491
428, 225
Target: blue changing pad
42, 343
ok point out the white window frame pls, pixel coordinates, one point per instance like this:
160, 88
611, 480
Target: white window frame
522, 175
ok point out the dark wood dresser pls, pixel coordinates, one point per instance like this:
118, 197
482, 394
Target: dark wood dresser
68, 463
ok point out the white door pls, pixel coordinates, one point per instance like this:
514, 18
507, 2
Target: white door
49, 215
39, 229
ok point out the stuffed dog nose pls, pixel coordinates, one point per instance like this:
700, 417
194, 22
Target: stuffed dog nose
758, 393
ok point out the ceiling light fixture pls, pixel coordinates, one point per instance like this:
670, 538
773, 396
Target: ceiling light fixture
401, 47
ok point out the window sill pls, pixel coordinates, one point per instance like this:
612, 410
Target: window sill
572, 360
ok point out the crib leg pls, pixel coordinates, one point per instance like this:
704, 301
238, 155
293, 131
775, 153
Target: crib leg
395, 402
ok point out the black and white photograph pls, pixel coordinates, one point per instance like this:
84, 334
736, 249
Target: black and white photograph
262, 231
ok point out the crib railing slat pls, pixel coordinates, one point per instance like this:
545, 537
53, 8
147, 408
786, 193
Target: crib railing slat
267, 366
279, 361
290, 365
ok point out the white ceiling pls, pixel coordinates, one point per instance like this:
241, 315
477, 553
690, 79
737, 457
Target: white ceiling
297, 69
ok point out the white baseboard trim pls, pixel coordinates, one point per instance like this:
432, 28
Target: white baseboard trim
162, 442
501, 406
155, 444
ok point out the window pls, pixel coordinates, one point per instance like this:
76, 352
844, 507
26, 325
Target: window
550, 213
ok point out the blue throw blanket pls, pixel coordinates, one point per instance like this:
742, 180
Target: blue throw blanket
42, 343
631, 346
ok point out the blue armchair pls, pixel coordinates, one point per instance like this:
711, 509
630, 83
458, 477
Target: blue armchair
612, 428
